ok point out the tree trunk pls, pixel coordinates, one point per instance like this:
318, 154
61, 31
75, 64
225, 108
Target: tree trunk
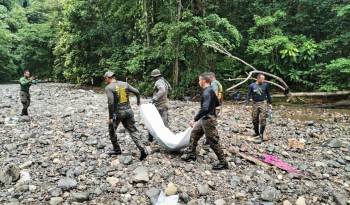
145, 9
177, 46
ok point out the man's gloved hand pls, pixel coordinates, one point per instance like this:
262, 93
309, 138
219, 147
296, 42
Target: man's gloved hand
152, 101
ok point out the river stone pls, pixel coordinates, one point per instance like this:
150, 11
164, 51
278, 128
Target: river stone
9, 174
141, 175
113, 181
220, 202
339, 198
203, 189
67, 183
80, 196
334, 143
55, 192
56, 200
270, 194
171, 189
300, 201
153, 195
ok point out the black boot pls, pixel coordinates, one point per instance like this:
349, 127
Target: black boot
189, 157
262, 130
143, 155
116, 149
256, 129
220, 166
150, 137
23, 112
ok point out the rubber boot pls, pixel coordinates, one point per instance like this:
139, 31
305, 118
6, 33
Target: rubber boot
189, 157
23, 112
116, 149
221, 165
262, 130
150, 137
143, 155
256, 130
26, 112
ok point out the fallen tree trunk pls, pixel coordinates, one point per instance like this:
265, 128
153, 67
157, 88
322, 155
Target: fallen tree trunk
316, 94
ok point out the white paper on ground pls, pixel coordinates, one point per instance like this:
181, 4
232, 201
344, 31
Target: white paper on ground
164, 200
155, 125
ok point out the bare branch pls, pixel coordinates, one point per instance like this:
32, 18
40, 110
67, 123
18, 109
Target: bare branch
219, 48
270, 82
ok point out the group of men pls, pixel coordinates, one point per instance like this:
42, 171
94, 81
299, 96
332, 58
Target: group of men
203, 123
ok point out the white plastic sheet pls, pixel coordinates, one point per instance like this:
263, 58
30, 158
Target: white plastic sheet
162, 134
164, 200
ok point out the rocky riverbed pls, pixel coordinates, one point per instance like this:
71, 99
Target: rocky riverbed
57, 155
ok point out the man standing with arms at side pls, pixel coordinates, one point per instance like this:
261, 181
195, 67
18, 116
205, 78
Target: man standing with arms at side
26, 81
259, 92
119, 110
217, 87
205, 123
160, 96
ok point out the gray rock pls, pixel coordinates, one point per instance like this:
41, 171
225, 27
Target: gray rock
270, 194
67, 184
9, 174
56, 200
116, 202
56, 192
80, 196
339, 198
153, 195
203, 189
124, 190
220, 202
334, 143
333, 163
347, 168
234, 181
91, 141
127, 160
11, 147
141, 175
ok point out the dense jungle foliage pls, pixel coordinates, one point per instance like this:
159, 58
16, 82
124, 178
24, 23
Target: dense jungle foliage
306, 42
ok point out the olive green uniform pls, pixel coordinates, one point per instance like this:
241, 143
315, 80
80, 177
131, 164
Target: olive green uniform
120, 111
24, 93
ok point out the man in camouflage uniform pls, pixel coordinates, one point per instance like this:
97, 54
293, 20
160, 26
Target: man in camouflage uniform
160, 96
217, 87
259, 91
26, 81
205, 123
119, 110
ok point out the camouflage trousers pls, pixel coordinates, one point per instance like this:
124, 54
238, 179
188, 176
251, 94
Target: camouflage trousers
126, 117
206, 127
25, 99
259, 113
163, 111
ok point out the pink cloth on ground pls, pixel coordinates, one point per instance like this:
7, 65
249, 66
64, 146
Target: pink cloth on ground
273, 160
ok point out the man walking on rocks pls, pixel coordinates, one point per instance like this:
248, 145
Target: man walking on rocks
259, 91
205, 123
26, 81
160, 96
120, 111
